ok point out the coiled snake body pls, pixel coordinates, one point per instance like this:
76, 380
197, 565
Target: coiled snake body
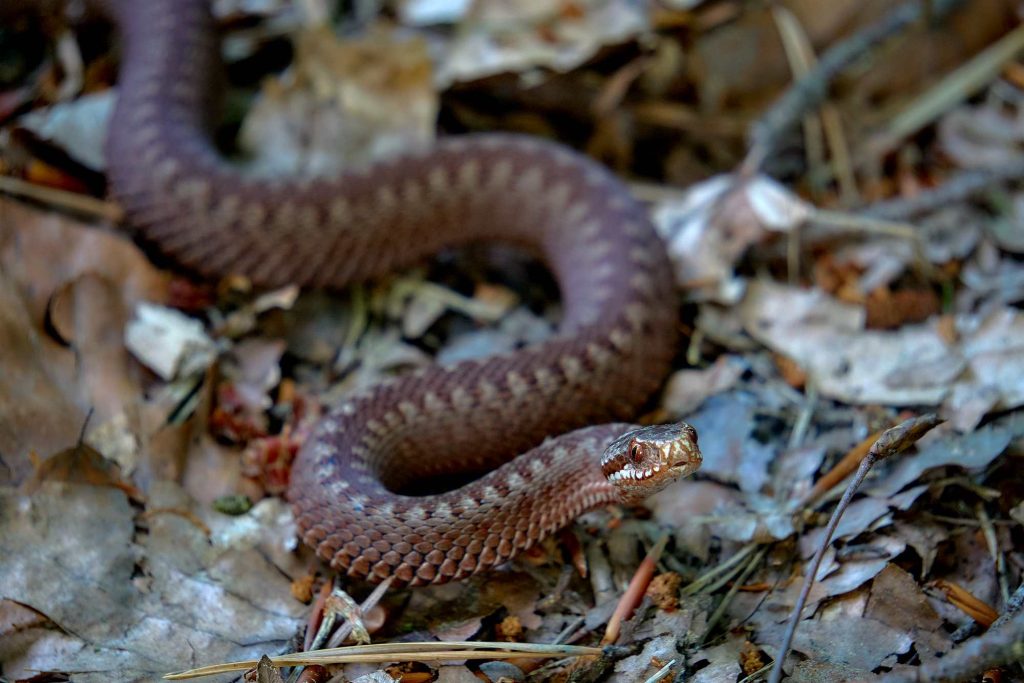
611, 352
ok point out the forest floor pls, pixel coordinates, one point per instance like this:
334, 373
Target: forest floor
839, 188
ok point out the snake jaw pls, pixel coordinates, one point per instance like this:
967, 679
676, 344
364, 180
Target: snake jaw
646, 460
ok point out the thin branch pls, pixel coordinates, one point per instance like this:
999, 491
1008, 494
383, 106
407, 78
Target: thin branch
997, 647
957, 187
1013, 606
350, 625
953, 89
891, 442
62, 199
810, 91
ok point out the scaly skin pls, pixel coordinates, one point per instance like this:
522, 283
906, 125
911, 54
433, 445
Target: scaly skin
611, 352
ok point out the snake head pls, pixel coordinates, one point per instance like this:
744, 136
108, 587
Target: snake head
646, 460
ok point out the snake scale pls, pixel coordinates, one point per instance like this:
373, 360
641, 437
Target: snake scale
611, 352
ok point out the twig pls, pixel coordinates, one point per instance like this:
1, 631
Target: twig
1013, 606
996, 647
842, 221
71, 201
826, 224
316, 626
966, 630
960, 521
802, 59
800, 55
988, 529
957, 188
947, 93
810, 91
337, 603
369, 603
714, 586
891, 442
803, 419
570, 629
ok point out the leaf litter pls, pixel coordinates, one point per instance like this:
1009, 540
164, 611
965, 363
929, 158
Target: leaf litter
813, 327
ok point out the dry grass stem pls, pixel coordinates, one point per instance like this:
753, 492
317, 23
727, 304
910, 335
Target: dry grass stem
397, 652
62, 199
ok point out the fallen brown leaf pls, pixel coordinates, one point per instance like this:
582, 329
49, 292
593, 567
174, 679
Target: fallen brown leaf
976, 609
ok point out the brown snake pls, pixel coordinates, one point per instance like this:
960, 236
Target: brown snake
611, 351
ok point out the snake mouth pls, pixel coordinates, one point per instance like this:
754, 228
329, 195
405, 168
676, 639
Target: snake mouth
688, 464
683, 470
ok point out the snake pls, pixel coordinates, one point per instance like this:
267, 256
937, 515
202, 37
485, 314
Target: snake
530, 439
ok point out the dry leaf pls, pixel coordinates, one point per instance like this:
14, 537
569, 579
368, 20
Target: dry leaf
498, 37
827, 339
709, 228
78, 126
38, 412
863, 644
686, 390
898, 602
723, 662
42, 251
168, 342
734, 455
71, 554
343, 103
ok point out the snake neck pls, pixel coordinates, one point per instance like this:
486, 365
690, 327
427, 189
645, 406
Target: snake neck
374, 533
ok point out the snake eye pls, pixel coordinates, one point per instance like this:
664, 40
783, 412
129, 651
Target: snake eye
634, 453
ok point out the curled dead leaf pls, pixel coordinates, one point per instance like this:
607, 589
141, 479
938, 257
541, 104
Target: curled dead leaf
977, 609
